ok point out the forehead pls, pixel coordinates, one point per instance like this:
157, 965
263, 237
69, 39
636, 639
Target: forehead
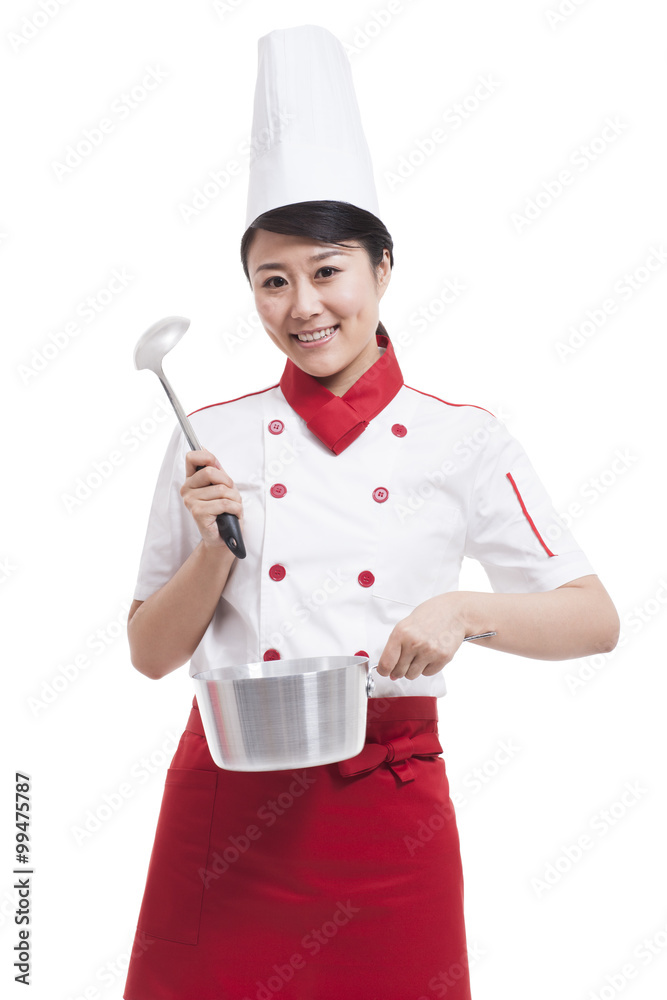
278, 248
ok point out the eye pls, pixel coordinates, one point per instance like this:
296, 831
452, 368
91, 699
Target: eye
276, 277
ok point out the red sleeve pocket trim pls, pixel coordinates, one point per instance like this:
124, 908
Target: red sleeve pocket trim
529, 518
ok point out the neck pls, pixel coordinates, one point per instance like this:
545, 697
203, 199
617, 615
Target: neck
341, 381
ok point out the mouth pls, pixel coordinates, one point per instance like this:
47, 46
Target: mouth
314, 339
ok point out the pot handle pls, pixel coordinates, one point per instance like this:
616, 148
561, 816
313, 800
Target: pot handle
370, 681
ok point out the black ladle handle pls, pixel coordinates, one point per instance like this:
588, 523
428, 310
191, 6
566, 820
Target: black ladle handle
228, 524
230, 531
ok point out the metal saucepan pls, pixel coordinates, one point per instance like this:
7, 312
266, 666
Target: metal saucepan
279, 714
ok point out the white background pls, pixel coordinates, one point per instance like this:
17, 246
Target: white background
67, 573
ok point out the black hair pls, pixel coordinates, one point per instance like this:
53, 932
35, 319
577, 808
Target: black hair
329, 221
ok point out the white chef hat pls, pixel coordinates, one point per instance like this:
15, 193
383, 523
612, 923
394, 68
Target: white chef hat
307, 142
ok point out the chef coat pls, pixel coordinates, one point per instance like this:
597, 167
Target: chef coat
356, 509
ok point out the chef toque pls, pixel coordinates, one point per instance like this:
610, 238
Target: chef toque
307, 142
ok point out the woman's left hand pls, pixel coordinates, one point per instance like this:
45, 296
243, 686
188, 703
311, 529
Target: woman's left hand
425, 641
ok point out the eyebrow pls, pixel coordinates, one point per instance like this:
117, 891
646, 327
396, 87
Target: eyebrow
315, 257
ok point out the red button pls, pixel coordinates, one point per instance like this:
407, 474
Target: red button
399, 430
366, 578
276, 427
277, 572
271, 654
278, 490
361, 652
380, 494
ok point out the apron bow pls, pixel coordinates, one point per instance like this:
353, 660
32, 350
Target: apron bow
395, 754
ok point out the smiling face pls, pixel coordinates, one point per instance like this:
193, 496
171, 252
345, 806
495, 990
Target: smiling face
295, 293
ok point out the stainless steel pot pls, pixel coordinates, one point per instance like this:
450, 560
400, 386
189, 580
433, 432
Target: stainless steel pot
280, 714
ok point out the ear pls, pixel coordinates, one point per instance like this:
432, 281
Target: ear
384, 273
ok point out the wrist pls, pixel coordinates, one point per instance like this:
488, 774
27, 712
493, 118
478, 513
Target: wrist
468, 611
216, 553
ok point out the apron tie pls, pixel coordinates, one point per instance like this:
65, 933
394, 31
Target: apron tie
395, 754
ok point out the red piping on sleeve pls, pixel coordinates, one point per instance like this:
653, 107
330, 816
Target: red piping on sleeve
530, 520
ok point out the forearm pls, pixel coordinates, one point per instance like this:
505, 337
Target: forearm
166, 629
571, 621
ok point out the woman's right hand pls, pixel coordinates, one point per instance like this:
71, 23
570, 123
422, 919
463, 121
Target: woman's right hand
208, 492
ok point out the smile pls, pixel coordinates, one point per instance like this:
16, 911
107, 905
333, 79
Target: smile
320, 337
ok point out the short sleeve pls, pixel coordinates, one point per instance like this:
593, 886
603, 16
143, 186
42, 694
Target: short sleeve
513, 528
171, 534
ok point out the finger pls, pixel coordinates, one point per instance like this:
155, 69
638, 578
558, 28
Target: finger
207, 514
210, 510
418, 666
200, 456
203, 474
215, 491
407, 648
416, 660
390, 655
428, 660
434, 666
402, 665
404, 668
209, 501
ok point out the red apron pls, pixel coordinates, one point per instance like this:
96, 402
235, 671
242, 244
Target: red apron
337, 882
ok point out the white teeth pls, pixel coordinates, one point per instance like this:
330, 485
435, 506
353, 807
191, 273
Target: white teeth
316, 336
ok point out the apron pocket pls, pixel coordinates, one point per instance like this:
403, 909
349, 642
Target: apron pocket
172, 901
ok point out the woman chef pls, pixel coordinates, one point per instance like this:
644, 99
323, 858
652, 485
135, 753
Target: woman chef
358, 497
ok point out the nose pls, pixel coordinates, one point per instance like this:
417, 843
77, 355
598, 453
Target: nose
305, 301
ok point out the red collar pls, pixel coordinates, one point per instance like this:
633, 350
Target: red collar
338, 420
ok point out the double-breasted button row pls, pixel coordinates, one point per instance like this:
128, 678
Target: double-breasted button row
380, 494
273, 654
277, 427
365, 578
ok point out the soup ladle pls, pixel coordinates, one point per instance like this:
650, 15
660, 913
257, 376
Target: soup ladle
149, 352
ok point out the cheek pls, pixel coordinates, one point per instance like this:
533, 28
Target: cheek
269, 312
353, 299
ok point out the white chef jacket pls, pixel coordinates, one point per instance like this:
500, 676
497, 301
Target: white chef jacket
356, 509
